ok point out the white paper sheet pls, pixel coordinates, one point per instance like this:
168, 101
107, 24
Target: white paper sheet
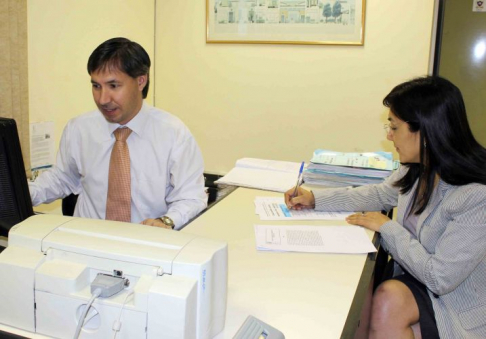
314, 239
271, 175
274, 208
261, 179
42, 152
271, 165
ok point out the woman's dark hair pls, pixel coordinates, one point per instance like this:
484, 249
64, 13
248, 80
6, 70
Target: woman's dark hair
121, 54
434, 107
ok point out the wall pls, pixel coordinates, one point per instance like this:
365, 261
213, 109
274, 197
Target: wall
14, 84
283, 101
268, 101
61, 36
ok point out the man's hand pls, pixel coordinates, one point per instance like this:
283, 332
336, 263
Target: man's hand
156, 223
370, 220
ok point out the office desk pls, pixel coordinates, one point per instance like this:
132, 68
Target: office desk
303, 295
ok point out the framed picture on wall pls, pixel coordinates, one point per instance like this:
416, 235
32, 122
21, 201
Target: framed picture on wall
316, 22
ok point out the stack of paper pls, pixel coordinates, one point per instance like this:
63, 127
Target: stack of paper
337, 169
263, 174
274, 208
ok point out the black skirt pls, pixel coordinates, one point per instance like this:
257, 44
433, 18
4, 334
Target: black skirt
428, 325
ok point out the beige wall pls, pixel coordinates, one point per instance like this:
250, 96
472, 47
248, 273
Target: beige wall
269, 101
14, 84
283, 101
61, 36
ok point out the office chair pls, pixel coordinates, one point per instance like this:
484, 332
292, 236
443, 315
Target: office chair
381, 274
68, 204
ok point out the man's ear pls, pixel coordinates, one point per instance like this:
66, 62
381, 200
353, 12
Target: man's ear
142, 81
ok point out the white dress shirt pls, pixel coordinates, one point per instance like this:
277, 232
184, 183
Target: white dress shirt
166, 167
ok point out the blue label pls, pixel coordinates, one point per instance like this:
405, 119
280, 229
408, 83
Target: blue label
285, 210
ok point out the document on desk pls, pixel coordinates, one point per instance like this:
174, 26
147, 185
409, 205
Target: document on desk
274, 208
313, 239
261, 179
271, 175
270, 165
371, 160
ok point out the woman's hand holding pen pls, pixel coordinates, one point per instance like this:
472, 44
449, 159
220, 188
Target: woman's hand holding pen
370, 220
300, 200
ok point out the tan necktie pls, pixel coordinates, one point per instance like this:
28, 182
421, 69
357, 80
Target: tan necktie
118, 199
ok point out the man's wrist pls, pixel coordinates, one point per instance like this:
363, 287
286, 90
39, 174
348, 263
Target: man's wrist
167, 221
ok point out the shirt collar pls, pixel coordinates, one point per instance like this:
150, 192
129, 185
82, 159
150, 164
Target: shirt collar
137, 124
443, 187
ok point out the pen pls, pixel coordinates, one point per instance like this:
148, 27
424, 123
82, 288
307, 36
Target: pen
299, 179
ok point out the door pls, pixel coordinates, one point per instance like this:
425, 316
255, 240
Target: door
461, 57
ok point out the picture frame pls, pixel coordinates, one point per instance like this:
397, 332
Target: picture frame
307, 22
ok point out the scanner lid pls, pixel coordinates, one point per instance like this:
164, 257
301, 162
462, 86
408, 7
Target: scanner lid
128, 242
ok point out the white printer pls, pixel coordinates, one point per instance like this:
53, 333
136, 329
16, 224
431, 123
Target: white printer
175, 283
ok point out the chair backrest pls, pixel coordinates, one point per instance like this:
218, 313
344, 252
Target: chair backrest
68, 204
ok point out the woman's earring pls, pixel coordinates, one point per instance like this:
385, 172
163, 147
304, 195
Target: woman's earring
425, 144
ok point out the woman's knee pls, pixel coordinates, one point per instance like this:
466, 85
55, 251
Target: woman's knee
393, 300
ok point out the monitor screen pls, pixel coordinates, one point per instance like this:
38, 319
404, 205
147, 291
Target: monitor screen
15, 202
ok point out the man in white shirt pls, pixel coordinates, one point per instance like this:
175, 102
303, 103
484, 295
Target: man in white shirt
166, 165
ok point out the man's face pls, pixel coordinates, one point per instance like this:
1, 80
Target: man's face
117, 95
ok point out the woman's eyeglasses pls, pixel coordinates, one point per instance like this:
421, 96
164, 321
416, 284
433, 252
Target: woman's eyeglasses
391, 129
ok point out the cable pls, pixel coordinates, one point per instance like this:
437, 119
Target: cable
117, 323
95, 295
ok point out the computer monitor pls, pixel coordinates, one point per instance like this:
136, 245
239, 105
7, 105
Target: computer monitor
15, 202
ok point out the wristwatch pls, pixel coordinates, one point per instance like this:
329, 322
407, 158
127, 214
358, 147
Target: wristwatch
167, 221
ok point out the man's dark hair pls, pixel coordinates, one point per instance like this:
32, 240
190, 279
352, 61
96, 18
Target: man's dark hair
121, 54
435, 107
